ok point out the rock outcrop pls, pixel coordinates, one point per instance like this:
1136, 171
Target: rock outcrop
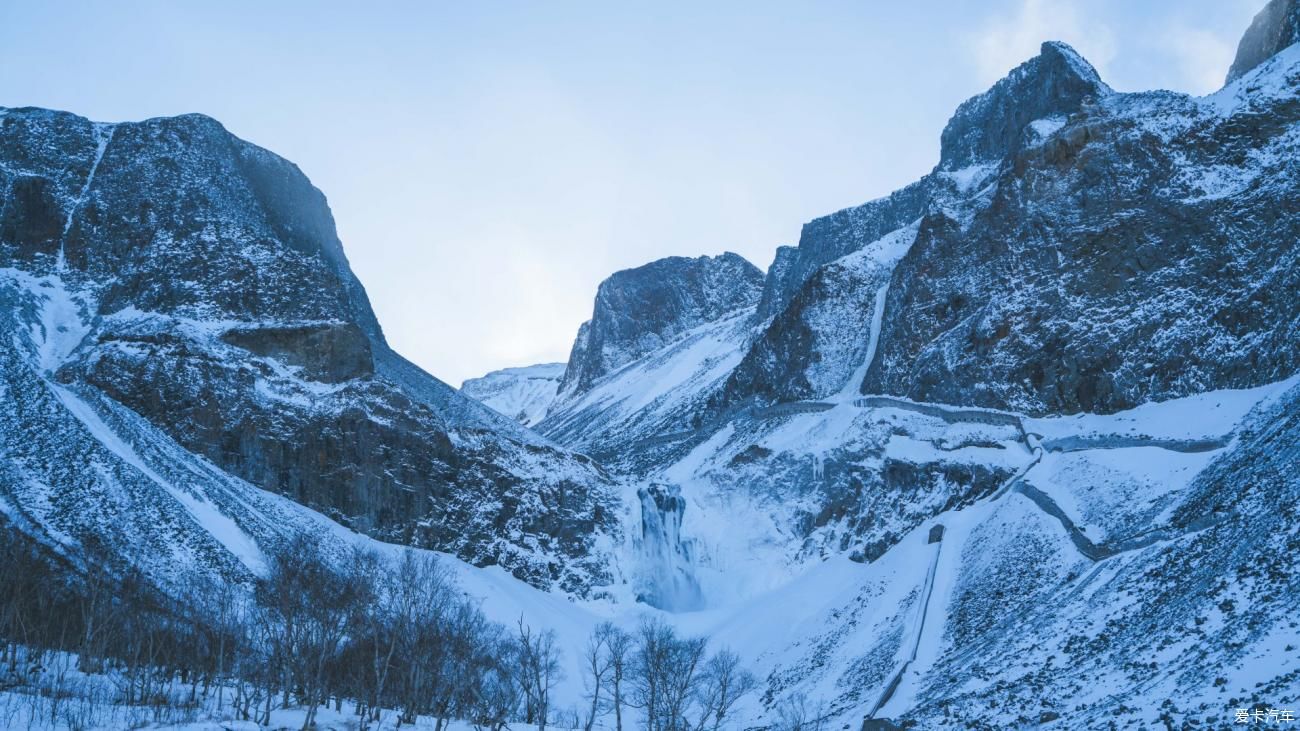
984, 130
640, 310
1273, 29
1128, 256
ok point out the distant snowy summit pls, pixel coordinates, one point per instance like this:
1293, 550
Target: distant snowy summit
523, 394
636, 311
640, 310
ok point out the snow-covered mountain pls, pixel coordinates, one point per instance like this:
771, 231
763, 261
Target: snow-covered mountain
966, 424
524, 394
187, 290
639, 310
1015, 446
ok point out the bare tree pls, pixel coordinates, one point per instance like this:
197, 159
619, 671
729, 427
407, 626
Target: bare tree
596, 669
674, 680
797, 713
619, 645
665, 671
213, 611
538, 672
95, 588
378, 627
722, 684
314, 602
499, 695
424, 601
685, 659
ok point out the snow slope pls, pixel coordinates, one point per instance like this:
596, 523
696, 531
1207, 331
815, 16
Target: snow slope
524, 394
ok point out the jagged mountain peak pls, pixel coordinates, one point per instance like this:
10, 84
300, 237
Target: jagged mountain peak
988, 127
1039, 94
1274, 28
641, 309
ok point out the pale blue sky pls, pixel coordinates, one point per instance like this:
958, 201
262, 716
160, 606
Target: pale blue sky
488, 163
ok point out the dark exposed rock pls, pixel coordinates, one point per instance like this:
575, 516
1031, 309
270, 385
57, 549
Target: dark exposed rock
828, 238
353, 459
30, 219
1109, 268
797, 356
1273, 29
330, 353
640, 310
991, 126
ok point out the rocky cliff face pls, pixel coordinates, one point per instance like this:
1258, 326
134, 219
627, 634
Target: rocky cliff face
989, 127
640, 310
215, 303
983, 130
1273, 29
828, 238
1129, 256
1075, 250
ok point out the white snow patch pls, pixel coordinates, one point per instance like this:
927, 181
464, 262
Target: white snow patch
917, 451
1276, 78
61, 329
1047, 126
657, 382
968, 179
884, 251
1209, 415
1097, 486
218, 525
524, 394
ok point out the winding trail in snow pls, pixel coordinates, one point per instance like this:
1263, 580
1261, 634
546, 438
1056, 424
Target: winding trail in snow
1098, 553
919, 623
1102, 551
962, 414
1109, 441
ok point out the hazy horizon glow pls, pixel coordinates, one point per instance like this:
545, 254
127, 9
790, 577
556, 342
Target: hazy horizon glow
489, 164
